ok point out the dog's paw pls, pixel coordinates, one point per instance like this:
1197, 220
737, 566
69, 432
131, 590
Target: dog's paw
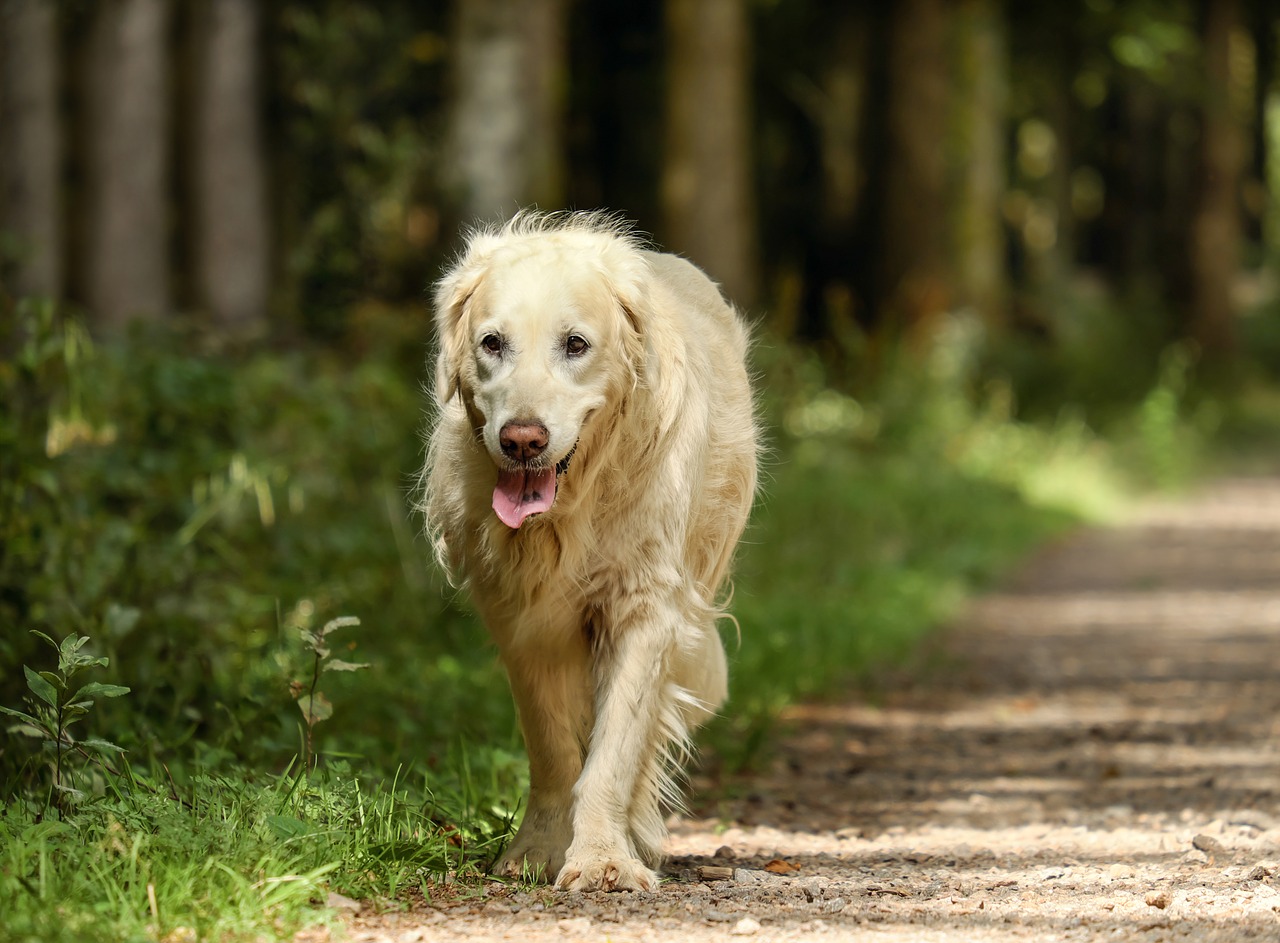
606, 874
528, 864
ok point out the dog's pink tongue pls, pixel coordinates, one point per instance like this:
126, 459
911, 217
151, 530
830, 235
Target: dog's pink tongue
519, 494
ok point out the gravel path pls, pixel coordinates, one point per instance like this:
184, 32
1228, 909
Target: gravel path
1095, 755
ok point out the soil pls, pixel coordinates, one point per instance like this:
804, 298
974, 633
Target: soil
1093, 754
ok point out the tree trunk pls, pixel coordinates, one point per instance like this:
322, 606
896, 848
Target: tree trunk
507, 123
232, 241
912, 285
31, 158
1216, 225
980, 142
128, 138
837, 106
707, 184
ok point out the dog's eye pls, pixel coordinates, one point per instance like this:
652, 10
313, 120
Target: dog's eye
492, 343
575, 345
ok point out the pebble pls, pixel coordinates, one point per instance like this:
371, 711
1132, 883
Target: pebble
709, 872
338, 901
724, 851
1208, 844
574, 925
745, 927
1159, 899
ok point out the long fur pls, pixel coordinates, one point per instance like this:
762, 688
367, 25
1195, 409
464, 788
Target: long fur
603, 607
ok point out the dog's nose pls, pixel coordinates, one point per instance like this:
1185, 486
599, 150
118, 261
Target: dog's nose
523, 440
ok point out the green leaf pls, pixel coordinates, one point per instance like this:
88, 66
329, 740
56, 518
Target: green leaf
102, 746
341, 622
38, 634
75, 795
19, 714
41, 687
54, 678
337, 664
286, 826
73, 643
31, 730
315, 709
97, 689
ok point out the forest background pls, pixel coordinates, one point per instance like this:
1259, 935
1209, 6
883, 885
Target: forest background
1008, 264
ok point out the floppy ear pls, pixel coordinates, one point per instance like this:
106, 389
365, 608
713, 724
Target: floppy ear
452, 296
630, 284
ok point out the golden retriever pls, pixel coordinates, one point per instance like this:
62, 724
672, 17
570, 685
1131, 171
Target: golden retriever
589, 473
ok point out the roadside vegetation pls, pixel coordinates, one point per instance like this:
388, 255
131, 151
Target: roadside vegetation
234, 682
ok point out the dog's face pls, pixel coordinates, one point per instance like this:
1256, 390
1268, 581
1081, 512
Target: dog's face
536, 340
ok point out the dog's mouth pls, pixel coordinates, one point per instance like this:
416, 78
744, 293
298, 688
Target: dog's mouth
525, 490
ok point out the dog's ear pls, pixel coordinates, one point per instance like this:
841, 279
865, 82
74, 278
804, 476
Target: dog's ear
629, 278
452, 297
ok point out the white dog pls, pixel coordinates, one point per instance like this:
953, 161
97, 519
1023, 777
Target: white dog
591, 469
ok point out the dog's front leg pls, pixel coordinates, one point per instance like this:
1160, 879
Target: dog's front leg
632, 690
552, 690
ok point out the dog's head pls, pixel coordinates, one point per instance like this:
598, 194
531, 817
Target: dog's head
539, 329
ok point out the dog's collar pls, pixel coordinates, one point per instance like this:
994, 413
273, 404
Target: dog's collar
562, 466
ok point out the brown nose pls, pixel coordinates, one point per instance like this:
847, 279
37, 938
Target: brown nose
522, 440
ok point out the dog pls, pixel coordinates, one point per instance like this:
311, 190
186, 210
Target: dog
590, 471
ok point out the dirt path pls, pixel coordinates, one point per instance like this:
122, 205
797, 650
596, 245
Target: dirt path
1099, 759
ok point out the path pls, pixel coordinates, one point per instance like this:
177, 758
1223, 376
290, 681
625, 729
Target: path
1098, 759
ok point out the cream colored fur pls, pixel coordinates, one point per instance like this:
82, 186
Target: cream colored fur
604, 607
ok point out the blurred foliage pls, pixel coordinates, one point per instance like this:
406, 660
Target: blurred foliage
360, 91
191, 514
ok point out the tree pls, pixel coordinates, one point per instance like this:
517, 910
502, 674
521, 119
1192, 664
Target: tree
708, 207
912, 283
128, 162
979, 144
507, 122
31, 158
1216, 226
232, 243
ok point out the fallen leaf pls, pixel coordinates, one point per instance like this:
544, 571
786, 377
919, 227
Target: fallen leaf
778, 866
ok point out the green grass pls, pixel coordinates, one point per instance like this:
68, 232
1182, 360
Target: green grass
234, 855
200, 516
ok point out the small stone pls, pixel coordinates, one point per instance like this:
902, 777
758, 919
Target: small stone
745, 927
711, 872
1159, 899
1050, 874
574, 925
1260, 872
832, 906
749, 876
338, 901
717, 916
724, 851
1208, 844
1120, 871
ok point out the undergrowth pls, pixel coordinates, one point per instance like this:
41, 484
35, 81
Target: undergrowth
206, 520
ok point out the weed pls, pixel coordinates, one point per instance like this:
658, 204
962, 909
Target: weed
314, 705
55, 706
